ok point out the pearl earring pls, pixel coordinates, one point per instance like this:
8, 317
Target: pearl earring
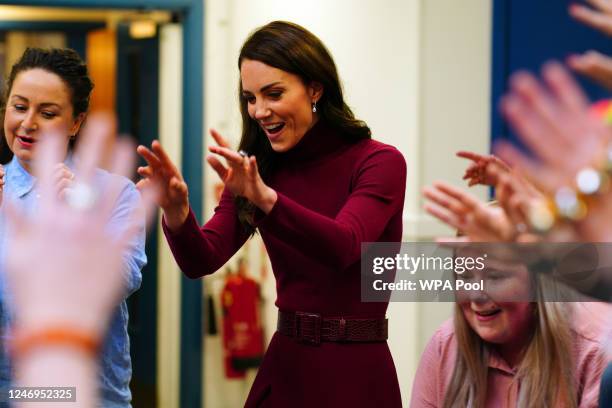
314, 107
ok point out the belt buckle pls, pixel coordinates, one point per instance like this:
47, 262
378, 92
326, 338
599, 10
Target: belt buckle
307, 328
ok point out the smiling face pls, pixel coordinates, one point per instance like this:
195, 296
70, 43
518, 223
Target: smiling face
499, 323
279, 102
491, 313
39, 103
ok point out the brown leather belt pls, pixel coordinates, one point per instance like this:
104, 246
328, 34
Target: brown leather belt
311, 328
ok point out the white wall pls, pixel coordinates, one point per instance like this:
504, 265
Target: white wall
417, 71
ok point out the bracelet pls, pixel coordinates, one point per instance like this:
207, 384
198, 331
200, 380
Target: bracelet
571, 203
23, 343
566, 205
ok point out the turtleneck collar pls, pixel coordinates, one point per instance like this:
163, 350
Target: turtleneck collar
317, 142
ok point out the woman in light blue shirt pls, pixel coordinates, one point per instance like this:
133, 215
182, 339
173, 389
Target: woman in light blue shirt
48, 93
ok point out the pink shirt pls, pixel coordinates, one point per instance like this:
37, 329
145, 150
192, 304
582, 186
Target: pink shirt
438, 361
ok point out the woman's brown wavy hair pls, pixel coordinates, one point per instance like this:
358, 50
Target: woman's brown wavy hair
292, 48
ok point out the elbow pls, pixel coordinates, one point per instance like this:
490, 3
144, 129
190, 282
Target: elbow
341, 257
344, 263
197, 271
341, 260
132, 275
192, 276
133, 286
193, 273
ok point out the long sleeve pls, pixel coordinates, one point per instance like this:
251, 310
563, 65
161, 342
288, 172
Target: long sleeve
115, 367
377, 194
201, 251
134, 257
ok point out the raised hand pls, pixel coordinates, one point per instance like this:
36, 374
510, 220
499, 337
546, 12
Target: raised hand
599, 16
480, 170
517, 197
241, 175
64, 268
593, 65
165, 176
460, 210
555, 123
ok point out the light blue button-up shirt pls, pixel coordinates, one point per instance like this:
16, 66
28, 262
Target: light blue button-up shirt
116, 367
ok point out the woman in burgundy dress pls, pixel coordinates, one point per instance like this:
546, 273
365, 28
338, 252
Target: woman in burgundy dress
315, 185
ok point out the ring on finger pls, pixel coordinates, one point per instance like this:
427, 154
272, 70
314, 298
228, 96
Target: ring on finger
242, 153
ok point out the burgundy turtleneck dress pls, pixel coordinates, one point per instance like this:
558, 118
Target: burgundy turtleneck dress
333, 194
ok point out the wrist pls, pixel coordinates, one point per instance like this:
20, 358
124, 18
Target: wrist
266, 200
176, 217
56, 336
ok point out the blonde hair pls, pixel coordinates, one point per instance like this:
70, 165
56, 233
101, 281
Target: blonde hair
546, 369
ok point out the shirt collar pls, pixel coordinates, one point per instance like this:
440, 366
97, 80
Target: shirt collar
20, 181
497, 362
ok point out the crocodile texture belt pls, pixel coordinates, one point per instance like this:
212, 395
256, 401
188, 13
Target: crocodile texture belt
311, 328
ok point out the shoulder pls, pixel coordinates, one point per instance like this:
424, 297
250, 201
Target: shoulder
442, 345
373, 156
435, 367
591, 322
16, 175
591, 328
370, 148
378, 167
444, 336
123, 183
10, 166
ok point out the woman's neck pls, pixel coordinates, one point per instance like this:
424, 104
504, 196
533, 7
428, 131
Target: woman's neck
26, 165
513, 351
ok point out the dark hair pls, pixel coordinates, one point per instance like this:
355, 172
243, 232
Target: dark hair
292, 48
63, 62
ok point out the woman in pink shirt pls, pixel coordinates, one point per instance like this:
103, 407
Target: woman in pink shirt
513, 353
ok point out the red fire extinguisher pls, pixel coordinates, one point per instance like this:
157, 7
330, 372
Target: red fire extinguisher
242, 331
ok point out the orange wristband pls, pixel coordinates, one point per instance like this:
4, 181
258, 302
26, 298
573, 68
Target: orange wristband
23, 343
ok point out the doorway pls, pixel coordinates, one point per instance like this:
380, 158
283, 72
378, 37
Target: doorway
136, 103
